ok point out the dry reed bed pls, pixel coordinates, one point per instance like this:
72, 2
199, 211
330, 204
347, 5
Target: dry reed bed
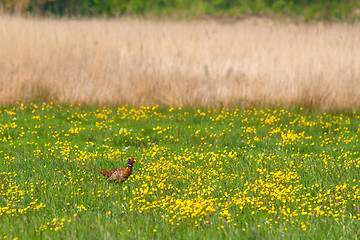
201, 63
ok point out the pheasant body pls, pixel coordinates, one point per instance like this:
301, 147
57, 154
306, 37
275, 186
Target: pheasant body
117, 174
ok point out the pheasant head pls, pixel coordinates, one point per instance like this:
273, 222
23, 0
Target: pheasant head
130, 162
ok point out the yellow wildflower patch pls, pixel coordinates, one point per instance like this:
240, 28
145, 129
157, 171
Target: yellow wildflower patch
228, 170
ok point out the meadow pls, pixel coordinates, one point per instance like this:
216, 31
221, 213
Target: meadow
240, 129
205, 63
226, 173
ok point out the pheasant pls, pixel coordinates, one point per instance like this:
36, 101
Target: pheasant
117, 174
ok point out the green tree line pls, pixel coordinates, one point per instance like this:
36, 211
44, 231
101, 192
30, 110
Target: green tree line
307, 9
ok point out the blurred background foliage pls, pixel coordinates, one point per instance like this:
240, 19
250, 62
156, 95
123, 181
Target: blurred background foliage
325, 10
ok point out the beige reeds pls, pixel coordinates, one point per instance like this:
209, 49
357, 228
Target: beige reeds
198, 63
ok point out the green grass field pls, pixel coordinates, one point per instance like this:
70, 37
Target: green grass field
199, 174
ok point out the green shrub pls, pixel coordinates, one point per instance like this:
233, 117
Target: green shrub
310, 10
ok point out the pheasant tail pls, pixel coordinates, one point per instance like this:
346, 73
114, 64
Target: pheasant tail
105, 173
